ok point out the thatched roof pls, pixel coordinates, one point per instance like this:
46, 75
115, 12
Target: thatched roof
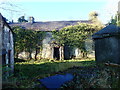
48, 26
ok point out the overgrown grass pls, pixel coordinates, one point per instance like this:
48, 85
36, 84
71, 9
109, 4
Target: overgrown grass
27, 73
94, 77
44, 69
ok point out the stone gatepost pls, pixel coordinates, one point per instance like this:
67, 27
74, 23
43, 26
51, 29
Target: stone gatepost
107, 44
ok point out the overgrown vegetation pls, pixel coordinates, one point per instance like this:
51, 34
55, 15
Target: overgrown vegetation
28, 41
75, 36
96, 76
87, 74
115, 20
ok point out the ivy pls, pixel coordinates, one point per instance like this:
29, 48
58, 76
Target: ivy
76, 35
27, 40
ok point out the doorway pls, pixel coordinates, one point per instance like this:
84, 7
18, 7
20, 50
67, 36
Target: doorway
56, 53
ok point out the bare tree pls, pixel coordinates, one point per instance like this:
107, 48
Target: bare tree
9, 8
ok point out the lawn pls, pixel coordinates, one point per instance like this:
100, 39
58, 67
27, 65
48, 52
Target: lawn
86, 74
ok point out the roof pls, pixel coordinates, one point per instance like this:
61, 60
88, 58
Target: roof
107, 31
3, 19
48, 26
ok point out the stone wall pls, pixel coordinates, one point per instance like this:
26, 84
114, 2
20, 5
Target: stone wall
47, 51
107, 44
6, 45
0, 42
108, 50
66, 52
90, 47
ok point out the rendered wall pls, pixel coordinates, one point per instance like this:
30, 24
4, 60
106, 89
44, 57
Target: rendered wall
108, 50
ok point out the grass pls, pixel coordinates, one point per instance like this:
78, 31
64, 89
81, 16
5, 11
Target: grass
44, 69
98, 76
26, 73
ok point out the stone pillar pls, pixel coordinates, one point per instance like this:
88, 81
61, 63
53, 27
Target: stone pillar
61, 50
52, 53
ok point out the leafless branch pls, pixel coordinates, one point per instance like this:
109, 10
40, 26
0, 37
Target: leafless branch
9, 9
8, 5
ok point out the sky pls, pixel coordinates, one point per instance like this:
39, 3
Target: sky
58, 10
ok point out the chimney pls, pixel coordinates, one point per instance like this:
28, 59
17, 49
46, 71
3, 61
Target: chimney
31, 19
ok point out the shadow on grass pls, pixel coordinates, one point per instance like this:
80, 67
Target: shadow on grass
47, 69
19, 60
26, 74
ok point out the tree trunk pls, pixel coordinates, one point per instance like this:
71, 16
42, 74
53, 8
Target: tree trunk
30, 57
84, 54
36, 52
16, 55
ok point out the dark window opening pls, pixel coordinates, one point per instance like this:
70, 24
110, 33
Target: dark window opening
3, 59
4, 56
9, 37
67, 53
56, 53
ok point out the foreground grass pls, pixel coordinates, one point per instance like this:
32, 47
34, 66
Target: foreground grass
27, 73
98, 76
43, 69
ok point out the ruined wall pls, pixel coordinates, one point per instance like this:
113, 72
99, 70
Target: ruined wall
0, 54
1, 25
71, 52
11, 43
7, 43
47, 51
0, 42
89, 46
6, 47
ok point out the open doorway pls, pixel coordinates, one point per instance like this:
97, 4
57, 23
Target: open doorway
56, 53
